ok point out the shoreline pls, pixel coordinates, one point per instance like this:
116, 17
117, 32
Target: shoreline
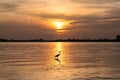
58, 41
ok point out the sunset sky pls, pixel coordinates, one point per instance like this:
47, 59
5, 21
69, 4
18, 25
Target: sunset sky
54, 19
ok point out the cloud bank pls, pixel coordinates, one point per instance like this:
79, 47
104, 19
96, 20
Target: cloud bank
21, 19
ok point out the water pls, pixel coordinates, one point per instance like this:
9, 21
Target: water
78, 61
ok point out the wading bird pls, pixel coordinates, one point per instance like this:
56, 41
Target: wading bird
57, 55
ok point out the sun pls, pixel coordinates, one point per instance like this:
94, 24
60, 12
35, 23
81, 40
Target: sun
59, 25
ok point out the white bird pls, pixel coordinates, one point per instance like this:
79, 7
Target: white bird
57, 55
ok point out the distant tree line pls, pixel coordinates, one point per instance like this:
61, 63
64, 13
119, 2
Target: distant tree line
65, 40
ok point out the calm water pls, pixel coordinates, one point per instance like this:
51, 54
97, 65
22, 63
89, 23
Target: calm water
78, 61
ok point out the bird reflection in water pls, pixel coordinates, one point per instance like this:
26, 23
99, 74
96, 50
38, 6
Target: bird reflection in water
58, 60
57, 57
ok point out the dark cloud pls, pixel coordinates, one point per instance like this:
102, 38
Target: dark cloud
114, 11
21, 30
95, 19
11, 6
101, 4
7, 7
62, 16
22, 1
96, 1
86, 19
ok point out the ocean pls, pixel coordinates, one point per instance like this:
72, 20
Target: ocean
77, 61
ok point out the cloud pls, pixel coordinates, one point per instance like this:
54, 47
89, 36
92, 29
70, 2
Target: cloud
95, 19
21, 1
56, 16
8, 7
114, 11
21, 30
95, 1
95, 4
84, 19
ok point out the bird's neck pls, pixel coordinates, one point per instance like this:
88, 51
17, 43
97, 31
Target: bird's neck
59, 52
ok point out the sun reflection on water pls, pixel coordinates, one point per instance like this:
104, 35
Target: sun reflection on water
62, 57
58, 62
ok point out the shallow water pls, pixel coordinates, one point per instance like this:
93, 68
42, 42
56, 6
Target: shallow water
78, 61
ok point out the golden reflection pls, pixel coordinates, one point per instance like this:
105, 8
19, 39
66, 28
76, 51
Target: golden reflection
59, 61
59, 46
58, 55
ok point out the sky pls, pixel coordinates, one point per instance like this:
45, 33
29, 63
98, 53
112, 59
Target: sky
34, 19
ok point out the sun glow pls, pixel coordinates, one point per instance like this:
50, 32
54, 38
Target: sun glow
59, 25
